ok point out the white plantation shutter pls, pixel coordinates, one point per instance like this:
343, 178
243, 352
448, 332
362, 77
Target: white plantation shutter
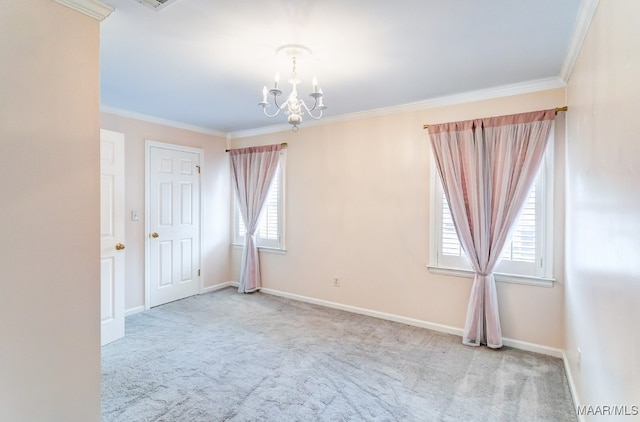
523, 241
269, 223
450, 243
522, 255
269, 230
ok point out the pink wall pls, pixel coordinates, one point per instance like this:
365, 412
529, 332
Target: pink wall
216, 191
603, 209
49, 181
357, 207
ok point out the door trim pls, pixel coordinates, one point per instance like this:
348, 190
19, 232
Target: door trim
156, 144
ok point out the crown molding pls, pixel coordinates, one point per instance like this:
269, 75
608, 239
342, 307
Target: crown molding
157, 120
467, 97
93, 8
580, 29
264, 130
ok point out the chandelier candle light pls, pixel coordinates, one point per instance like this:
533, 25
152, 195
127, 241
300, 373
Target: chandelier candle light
294, 107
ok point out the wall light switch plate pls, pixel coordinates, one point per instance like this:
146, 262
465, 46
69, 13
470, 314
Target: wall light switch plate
135, 216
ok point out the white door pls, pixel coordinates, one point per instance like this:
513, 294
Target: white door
112, 235
174, 222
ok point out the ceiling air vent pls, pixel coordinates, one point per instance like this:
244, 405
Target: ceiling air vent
156, 4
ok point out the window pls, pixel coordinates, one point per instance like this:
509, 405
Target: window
528, 254
271, 227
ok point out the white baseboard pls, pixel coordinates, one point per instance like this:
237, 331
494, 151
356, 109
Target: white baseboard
134, 310
213, 288
572, 386
533, 347
523, 345
368, 312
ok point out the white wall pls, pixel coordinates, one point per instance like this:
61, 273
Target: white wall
216, 191
603, 209
49, 225
357, 207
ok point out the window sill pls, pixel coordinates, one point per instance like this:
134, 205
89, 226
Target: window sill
503, 278
262, 249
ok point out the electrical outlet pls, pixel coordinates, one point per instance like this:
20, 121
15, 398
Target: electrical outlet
336, 282
579, 360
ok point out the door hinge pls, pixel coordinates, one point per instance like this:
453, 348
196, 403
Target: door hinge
198, 273
198, 167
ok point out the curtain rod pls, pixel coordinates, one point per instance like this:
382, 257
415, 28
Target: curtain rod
283, 145
558, 110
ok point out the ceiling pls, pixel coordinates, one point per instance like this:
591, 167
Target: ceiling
203, 63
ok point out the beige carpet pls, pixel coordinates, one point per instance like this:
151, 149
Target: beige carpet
226, 356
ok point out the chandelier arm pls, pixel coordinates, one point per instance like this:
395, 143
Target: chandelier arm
305, 107
279, 107
309, 110
316, 117
271, 115
315, 104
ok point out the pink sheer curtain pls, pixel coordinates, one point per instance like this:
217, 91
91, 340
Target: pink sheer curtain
252, 171
487, 167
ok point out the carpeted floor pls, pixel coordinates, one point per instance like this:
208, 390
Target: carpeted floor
225, 356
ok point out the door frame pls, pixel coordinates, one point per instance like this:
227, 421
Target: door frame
200, 152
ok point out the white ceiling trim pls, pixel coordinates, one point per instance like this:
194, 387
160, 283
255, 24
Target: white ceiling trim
467, 97
94, 8
157, 120
583, 21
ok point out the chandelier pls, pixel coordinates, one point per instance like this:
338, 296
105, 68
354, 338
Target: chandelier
293, 106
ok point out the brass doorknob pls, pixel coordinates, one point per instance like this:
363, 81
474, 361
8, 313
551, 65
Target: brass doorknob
119, 246
154, 234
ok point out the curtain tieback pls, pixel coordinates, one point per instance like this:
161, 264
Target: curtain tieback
484, 274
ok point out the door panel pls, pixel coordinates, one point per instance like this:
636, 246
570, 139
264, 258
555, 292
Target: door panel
174, 214
186, 203
186, 255
112, 213
107, 296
